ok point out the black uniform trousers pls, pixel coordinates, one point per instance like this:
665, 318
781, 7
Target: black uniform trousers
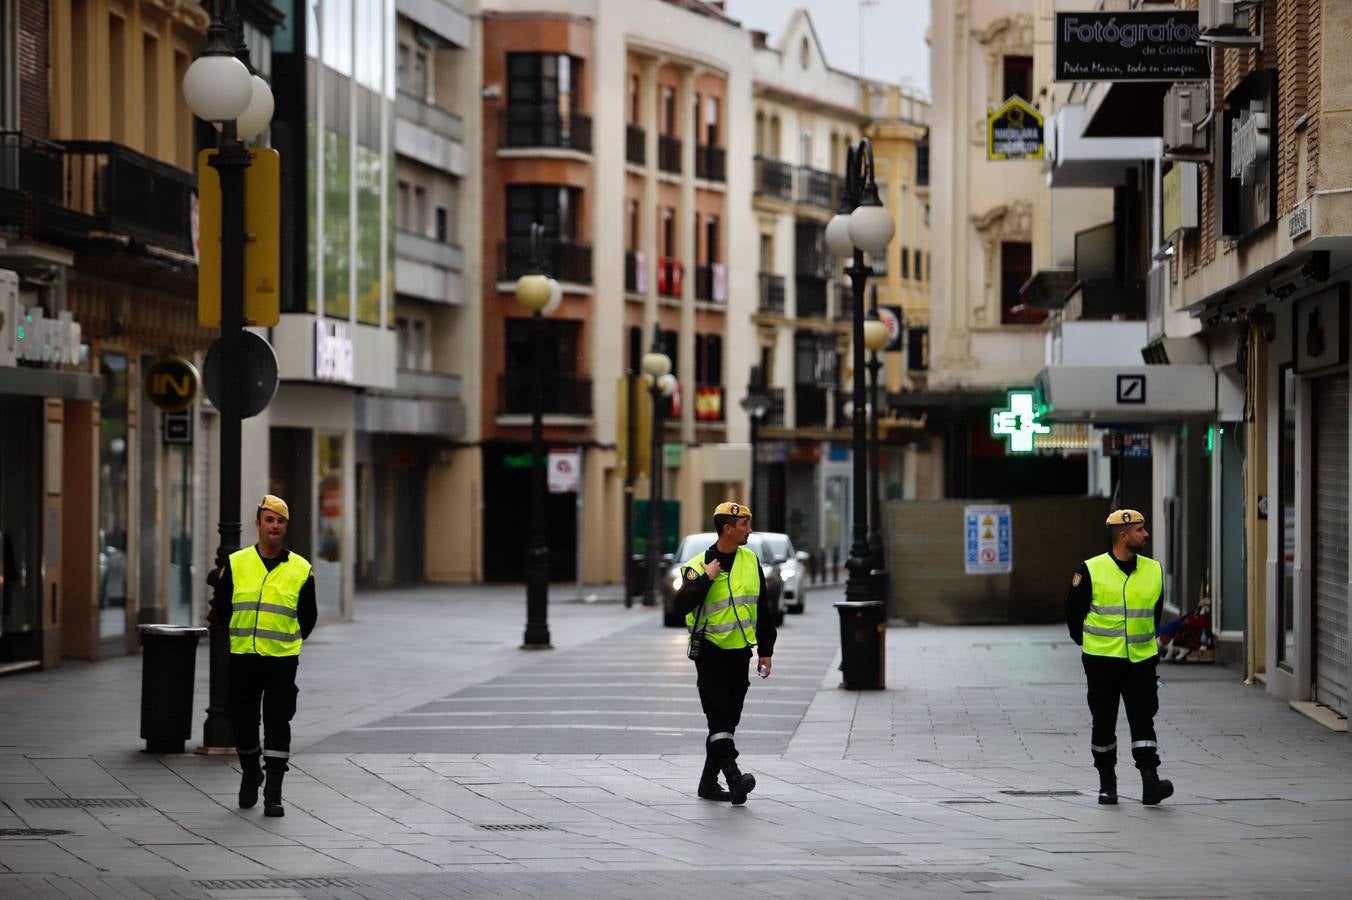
723, 683
1111, 677
269, 681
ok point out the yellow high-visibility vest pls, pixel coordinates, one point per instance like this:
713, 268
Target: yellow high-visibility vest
728, 617
1121, 618
263, 618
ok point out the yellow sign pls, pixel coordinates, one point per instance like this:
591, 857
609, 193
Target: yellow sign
171, 383
1014, 131
643, 417
262, 239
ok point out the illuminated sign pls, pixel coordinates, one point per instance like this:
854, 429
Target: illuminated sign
1018, 422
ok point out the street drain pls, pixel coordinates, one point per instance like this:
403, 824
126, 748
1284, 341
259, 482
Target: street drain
32, 832
88, 803
266, 884
1041, 793
521, 827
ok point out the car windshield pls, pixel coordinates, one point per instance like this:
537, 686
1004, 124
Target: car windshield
694, 543
779, 546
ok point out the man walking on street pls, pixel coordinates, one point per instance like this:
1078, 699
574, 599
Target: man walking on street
724, 601
267, 594
1113, 611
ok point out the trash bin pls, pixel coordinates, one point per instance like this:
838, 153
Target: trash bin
863, 644
168, 667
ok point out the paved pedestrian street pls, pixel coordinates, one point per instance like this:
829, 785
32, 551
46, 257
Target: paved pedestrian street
435, 759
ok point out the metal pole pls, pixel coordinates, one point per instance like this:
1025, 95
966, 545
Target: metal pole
858, 586
630, 464
537, 559
875, 535
654, 554
230, 161
755, 437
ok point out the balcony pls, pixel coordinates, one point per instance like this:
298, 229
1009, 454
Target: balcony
669, 153
428, 269
568, 261
771, 294
774, 417
544, 126
632, 283
635, 145
669, 280
812, 298
128, 193
711, 283
565, 393
412, 108
709, 403
818, 188
711, 163
774, 179
30, 180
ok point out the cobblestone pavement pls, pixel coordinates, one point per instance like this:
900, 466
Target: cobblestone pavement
434, 759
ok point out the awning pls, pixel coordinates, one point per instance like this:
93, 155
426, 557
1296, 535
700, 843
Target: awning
1122, 394
35, 382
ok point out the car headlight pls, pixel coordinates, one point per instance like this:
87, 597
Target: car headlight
676, 583
787, 572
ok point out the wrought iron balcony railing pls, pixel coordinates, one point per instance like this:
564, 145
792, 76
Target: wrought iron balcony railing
544, 126
129, 193
565, 393
771, 294
817, 188
635, 144
774, 178
711, 163
669, 153
569, 261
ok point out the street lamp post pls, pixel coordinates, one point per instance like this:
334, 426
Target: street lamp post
661, 385
757, 404
220, 88
539, 294
860, 225
875, 339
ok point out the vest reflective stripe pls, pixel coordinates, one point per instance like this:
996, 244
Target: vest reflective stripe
263, 618
729, 610
1121, 618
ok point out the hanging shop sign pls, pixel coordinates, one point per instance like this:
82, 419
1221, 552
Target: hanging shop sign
333, 352
894, 317
1179, 197
565, 468
32, 337
171, 383
1248, 167
1018, 422
1321, 330
1014, 131
1130, 46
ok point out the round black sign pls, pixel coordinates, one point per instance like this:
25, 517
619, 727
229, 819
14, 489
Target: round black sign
257, 374
171, 383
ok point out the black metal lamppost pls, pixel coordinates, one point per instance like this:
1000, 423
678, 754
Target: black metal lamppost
661, 385
540, 295
220, 88
757, 404
860, 225
875, 339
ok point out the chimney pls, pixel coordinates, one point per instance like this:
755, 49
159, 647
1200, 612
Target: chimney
759, 38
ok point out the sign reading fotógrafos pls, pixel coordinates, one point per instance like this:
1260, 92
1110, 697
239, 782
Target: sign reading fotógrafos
1130, 46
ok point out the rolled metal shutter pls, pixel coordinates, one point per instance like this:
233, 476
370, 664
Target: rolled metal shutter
1330, 601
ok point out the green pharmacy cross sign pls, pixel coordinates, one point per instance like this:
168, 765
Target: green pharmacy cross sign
1018, 423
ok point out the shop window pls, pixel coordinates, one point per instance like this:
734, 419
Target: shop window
113, 479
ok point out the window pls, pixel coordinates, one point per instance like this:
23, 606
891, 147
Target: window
403, 68
443, 225
668, 232
668, 110
117, 85
711, 239
919, 276
631, 244
553, 206
1016, 266
150, 81
1018, 79
420, 209
403, 209
905, 262
419, 83
711, 121
760, 133
767, 253
560, 346
805, 148
708, 360
542, 79
635, 110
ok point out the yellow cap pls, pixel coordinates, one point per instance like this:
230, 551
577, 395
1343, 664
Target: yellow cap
273, 503
1125, 517
729, 508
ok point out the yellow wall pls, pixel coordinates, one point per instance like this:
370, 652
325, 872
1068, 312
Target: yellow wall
454, 534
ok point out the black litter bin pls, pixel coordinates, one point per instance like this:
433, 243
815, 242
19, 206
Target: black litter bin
168, 668
863, 644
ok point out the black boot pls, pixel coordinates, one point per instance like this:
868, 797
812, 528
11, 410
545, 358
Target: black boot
250, 778
1107, 787
1153, 787
272, 792
739, 784
709, 788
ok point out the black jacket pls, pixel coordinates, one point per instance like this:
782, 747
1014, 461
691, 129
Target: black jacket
693, 591
1081, 597
307, 609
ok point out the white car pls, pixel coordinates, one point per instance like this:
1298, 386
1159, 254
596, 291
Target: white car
791, 567
694, 543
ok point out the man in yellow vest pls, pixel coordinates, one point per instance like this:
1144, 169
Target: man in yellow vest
725, 605
267, 594
1113, 611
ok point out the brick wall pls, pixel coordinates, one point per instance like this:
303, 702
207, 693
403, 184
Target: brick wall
34, 115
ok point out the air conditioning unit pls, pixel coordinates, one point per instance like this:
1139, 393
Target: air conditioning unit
1230, 22
1185, 107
